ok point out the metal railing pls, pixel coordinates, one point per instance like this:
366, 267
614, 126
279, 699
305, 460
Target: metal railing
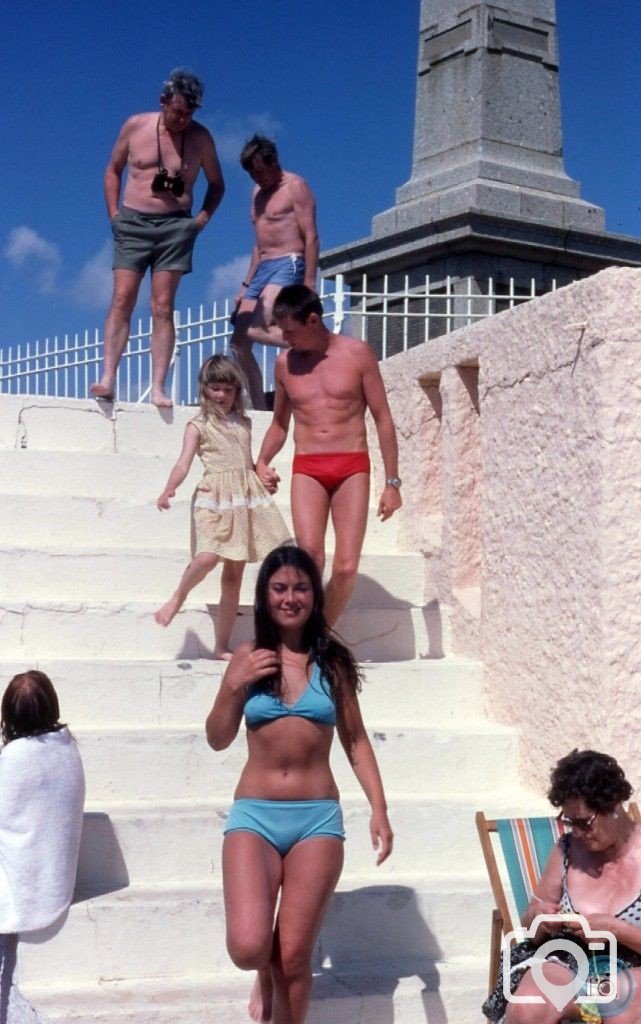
391, 319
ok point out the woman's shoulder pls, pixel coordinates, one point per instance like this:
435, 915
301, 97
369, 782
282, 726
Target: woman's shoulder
27, 747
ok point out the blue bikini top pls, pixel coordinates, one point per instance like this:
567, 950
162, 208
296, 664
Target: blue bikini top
314, 703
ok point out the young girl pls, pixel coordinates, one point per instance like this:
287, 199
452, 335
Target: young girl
233, 516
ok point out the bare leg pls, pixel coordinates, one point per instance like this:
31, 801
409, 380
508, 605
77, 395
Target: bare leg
164, 284
261, 996
252, 873
232, 576
262, 328
123, 300
311, 870
193, 574
541, 1012
349, 504
241, 345
310, 511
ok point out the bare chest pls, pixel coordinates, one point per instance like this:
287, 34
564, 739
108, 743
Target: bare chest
609, 891
177, 152
318, 384
273, 207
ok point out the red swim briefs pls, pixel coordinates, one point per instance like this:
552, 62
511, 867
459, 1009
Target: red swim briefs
331, 468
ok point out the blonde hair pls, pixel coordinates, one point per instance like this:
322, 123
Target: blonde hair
221, 370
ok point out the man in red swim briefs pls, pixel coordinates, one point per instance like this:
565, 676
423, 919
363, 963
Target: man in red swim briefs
327, 382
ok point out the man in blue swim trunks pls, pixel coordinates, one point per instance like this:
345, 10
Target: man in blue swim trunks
283, 212
163, 153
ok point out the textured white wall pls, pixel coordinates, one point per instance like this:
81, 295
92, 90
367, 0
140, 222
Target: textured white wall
544, 483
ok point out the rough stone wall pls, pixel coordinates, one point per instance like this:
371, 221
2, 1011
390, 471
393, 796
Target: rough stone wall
540, 476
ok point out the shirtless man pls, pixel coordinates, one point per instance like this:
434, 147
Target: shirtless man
163, 154
283, 212
327, 382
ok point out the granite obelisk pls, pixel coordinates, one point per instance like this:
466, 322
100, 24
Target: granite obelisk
488, 195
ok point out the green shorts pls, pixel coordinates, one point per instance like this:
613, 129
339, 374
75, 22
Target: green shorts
160, 241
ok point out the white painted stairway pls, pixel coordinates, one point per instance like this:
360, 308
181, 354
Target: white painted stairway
85, 558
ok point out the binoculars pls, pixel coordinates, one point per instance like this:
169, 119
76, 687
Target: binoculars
166, 182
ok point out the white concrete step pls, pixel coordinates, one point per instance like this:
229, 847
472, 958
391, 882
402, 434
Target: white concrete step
83, 425
160, 763
162, 932
384, 581
128, 476
137, 843
39, 629
429, 692
443, 991
79, 521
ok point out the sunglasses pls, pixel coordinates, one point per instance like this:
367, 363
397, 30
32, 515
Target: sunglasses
581, 824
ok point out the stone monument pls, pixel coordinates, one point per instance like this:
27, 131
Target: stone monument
488, 196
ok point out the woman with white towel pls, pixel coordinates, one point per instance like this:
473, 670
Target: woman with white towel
42, 794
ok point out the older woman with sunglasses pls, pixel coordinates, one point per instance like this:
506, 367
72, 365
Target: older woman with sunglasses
593, 871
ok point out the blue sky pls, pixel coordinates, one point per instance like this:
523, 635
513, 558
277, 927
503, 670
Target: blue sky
333, 83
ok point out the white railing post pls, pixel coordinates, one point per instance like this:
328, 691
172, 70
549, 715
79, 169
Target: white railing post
339, 303
175, 380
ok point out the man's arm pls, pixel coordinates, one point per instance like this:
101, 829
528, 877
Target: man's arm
376, 400
305, 212
276, 434
254, 260
215, 182
117, 162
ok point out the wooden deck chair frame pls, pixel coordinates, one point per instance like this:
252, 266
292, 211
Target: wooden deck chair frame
501, 918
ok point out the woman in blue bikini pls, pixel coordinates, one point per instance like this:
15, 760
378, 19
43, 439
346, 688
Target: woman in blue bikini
284, 834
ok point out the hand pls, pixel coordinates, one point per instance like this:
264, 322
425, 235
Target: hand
163, 500
238, 298
546, 928
382, 835
201, 220
596, 922
250, 664
268, 477
390, 501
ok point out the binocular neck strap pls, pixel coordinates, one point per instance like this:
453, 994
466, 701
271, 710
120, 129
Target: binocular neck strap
161, 166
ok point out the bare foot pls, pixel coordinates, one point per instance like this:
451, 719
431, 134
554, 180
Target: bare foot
104, 391
260, 998
165, 614
222, 654
160, 399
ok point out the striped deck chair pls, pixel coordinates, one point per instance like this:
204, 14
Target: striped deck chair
525, 845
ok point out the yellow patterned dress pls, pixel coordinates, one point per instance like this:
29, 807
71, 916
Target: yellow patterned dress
232, 514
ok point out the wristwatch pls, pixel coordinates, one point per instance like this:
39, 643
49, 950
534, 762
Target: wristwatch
394, 481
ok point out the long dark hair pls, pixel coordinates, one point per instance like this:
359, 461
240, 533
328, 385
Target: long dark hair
335, 661
30, 707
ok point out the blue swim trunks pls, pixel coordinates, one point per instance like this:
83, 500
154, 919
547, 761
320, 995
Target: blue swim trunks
283, 823
283, 270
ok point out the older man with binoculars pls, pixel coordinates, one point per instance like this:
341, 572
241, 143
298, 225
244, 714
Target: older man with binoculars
163, 153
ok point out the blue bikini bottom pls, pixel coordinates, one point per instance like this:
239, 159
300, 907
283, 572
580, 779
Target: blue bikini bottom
283, 823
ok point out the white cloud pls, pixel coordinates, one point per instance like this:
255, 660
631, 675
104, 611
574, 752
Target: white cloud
27, 249
92, 286
225, 280
231, 135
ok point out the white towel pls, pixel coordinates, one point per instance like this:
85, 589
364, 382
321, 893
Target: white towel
42, 795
